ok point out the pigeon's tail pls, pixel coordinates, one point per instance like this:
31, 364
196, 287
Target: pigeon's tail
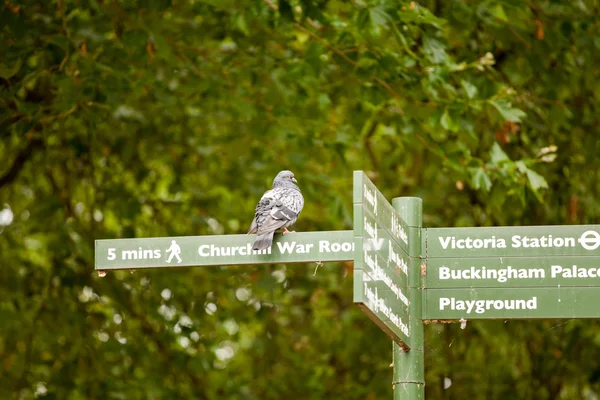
263, 241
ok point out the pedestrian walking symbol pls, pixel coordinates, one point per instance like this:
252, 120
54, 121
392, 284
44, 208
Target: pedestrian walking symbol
174, 251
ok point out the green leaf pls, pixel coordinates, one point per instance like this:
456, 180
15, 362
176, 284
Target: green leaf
497, 155
435, 50
324, 101
240, 24
480, 179
448, 123
508, 112
379, 17
7, 73
469, 88
401, 40
536, 180
521, 167
363, 19
498, 12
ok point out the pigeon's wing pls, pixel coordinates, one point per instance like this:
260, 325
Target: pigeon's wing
276, 213
253, 226
279, 217
262, 208
294, 201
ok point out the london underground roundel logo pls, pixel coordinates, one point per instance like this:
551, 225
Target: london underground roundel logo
590, 240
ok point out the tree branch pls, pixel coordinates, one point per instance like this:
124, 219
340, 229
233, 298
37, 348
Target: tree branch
369, 146
20, 161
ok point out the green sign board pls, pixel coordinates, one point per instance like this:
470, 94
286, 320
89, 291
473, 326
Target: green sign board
507, 241
512, 303
374, 203
512, 272
187, 251
504, 272
381, 304
380, 261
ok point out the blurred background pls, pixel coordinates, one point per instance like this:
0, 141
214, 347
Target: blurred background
171, 117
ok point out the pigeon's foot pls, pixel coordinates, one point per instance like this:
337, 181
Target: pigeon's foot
285, 230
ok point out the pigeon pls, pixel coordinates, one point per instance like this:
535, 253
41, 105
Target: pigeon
278, 208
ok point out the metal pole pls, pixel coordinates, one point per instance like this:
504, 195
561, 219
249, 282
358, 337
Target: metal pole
409, 366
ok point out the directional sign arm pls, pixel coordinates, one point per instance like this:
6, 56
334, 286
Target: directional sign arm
188, 251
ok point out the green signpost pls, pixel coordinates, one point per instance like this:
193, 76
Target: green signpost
387, 283
381, 261
405, 274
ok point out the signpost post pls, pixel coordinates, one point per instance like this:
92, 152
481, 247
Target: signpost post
405, 274
409, 366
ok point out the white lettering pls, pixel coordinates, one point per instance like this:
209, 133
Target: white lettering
516, 242
129, 255
325, 246
444, 273
373, 244
444, 301
396, 259
210, 250
397, 230
469, 243
377, 304
481, 306
557, 271
371, 198
379, 274
139, 254
286, 247
543, 241
501, 275
445, 241
370, 229
202, 250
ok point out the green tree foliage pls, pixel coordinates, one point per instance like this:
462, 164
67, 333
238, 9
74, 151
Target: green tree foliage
170, 117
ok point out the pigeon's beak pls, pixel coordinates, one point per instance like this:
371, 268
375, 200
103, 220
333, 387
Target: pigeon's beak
294, 180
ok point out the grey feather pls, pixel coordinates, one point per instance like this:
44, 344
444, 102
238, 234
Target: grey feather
277, 209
